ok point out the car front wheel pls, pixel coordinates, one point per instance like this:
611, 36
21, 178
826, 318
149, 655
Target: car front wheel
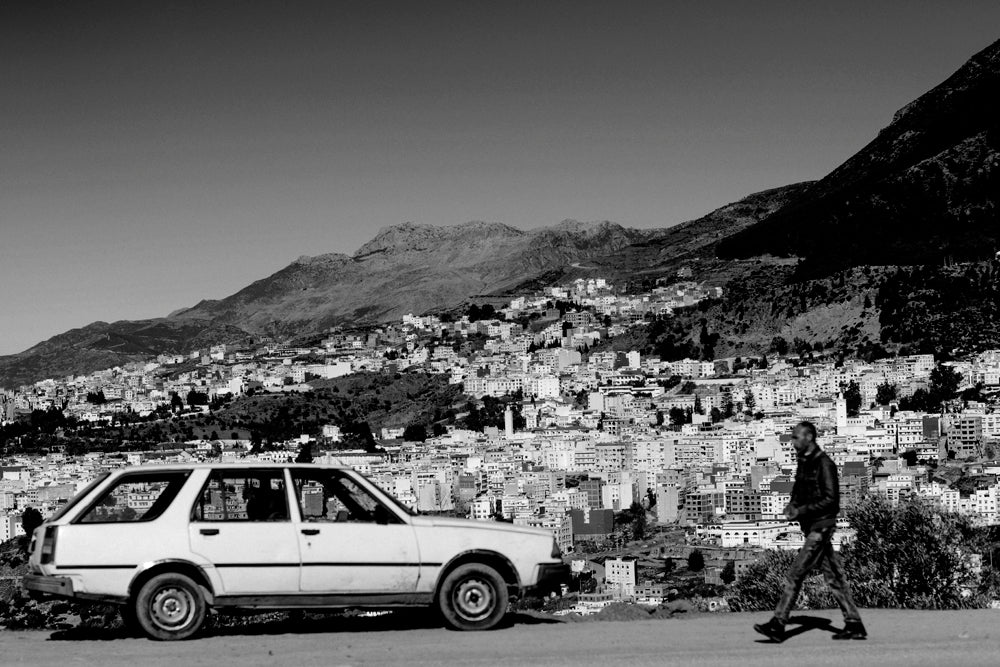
170, 606
473, 597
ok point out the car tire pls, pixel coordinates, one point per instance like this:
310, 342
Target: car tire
473, 597
170, 606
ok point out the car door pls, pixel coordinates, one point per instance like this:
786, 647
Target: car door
241, 524
349, 541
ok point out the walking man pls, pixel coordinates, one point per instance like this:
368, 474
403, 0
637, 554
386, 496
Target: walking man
815, 503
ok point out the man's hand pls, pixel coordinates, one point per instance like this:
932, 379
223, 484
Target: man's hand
791, 511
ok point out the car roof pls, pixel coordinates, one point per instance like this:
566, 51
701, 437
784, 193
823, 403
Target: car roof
153, 467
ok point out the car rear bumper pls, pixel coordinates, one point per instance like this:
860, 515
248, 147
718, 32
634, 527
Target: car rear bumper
56, 586
551, 577
41, 585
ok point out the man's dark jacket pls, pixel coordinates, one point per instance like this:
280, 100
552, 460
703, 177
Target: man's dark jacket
816, 492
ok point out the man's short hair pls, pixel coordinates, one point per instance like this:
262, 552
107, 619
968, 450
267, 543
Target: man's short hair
809, 427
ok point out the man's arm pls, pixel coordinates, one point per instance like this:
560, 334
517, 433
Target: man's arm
829, 491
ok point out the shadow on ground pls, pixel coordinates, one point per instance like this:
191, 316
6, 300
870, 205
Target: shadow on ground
798, 625
299, 623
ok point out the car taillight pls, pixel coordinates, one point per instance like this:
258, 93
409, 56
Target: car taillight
49, 545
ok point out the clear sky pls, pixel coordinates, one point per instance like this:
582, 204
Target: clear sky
156, 153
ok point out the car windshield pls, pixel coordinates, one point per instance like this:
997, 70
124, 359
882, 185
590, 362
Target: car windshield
75, 500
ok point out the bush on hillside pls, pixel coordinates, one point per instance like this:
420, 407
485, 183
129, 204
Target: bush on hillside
914, 556
760, 585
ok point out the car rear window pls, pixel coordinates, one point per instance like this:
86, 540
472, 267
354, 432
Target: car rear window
136, 497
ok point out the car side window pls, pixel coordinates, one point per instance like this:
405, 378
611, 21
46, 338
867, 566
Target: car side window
332, 496
243, 495
136, 497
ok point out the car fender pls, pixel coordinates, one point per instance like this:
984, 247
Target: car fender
205, 576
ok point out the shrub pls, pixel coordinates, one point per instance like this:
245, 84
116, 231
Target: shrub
914, 556
760, 586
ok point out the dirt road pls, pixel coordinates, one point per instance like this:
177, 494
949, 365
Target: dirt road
897, 638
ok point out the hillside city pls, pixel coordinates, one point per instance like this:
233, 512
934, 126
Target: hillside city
590, 435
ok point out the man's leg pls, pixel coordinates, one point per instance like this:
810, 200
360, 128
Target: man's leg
808, 557
810, 553
833, 572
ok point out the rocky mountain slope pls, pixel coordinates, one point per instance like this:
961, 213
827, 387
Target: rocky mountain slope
698, 238
924, 191
895, 249
408, 268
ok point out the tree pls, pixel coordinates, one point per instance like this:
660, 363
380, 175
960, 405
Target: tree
779, 345
695, 561
305, 454
638, 521
176, 402
944, 385
974, 393
415, 433
749, 402
669, 565
197, 398
920, 401
677, 416
697, 405
30, 520
728, 408
96, 397
852, 394
728, 574
885, 393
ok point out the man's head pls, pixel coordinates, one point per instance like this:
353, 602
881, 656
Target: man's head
804, 437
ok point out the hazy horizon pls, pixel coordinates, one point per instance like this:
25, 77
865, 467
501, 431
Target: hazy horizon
154, 154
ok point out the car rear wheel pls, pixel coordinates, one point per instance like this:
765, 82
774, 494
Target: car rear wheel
473, 597
170, 606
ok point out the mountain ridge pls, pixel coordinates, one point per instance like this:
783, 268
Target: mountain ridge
403, 268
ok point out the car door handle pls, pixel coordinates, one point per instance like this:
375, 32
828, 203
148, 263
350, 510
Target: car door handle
209, 531
310, 531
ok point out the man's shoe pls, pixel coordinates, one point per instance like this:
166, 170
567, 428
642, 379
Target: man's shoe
773, 630
852, 630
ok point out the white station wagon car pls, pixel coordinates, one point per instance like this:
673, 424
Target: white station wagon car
170, 542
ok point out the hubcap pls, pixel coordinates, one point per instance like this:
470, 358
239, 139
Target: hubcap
172, 608
474, 599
